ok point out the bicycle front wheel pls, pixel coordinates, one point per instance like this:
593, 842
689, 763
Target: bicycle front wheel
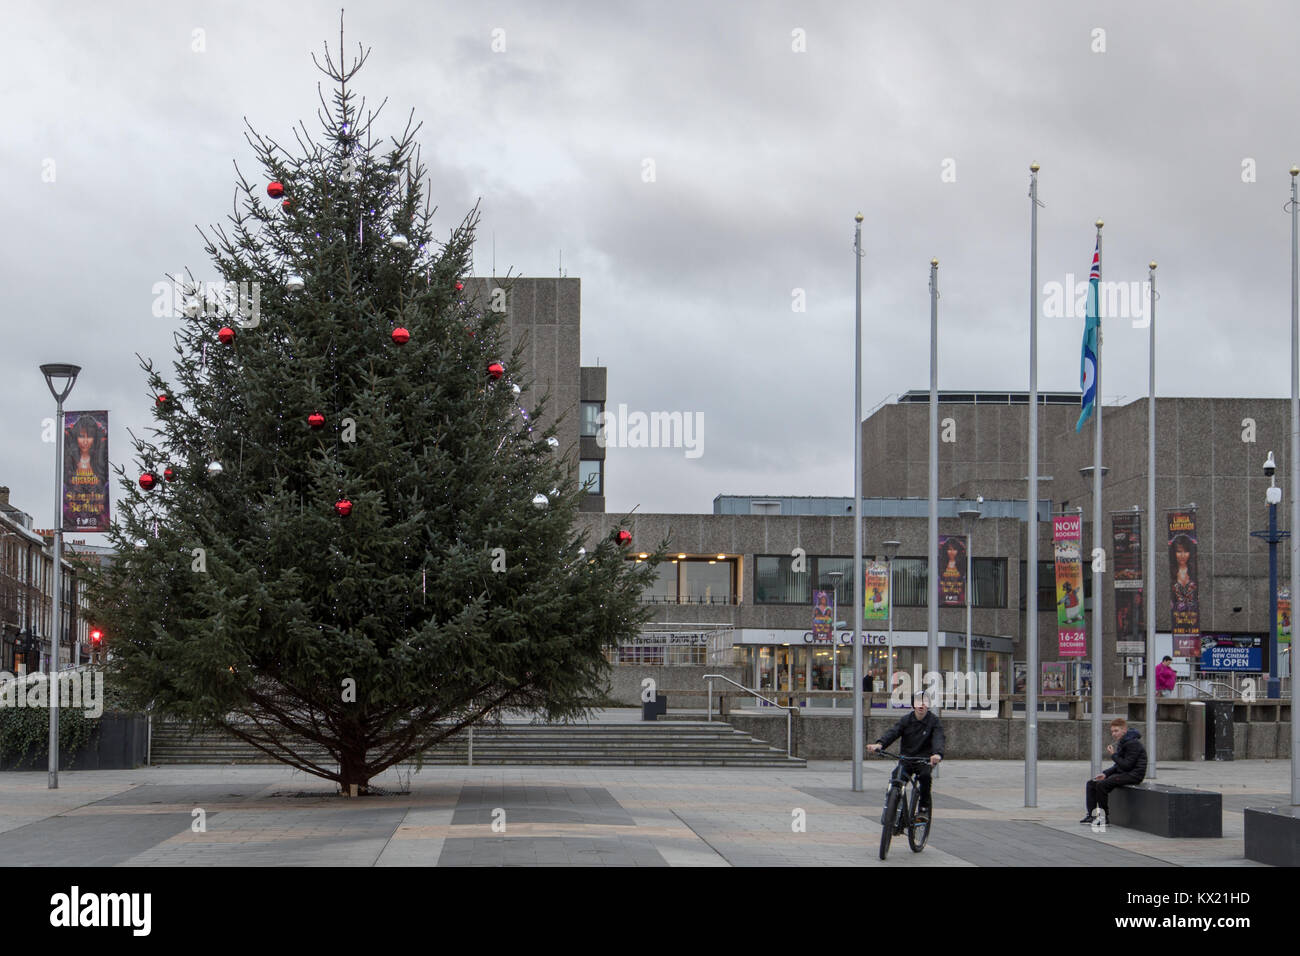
918, 833
892, 810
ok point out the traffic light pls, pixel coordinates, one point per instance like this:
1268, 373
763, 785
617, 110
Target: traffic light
96, 638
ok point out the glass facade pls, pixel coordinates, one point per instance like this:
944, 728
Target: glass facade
777, 582
693, 581
705, 582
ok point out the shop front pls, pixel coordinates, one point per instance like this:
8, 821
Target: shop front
786, 664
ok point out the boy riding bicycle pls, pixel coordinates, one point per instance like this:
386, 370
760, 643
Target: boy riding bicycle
922, 736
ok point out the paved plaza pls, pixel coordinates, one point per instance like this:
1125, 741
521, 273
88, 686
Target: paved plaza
595, 816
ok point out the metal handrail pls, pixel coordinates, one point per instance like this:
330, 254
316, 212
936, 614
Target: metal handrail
789, 736
1197, 686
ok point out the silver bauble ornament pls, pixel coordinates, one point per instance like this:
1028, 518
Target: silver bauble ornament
214, 468
399, 241
540, 501
294, 283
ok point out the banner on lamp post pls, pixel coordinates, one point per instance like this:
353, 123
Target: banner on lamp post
823, 616
877, 593
1284, 615
952, 576
1183, 589
1067, 537
84, 492
1126, 549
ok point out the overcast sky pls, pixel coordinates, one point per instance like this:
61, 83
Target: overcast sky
769, 126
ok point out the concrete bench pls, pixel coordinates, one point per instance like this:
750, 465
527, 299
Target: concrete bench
1167, 811
1273, 835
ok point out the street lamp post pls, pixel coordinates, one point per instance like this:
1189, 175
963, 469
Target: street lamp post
59, 378
1274, 498
969, 515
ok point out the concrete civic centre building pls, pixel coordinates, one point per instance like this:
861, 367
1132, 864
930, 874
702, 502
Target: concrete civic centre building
729, 595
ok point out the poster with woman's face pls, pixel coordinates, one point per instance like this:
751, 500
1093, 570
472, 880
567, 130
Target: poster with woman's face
823, 614
85, 471
1184, 594
952, 570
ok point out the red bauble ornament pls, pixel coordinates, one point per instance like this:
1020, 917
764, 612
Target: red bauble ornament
169, 473
624, 537
285, 205
460, 287
316, 420
148, 480
161, 401
226, 335
496, 370
275, 189
343, 508
401, 336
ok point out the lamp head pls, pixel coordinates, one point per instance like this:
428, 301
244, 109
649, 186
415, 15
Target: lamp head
59, 378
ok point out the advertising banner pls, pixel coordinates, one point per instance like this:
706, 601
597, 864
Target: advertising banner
1067, 532
84, 492
1184, 597
877, 592
1283, 616
823, 616
1126, 549
1232, 652
952, 576
1055, 677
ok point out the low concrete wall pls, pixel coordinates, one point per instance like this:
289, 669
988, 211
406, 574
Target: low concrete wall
625, 683
829, 736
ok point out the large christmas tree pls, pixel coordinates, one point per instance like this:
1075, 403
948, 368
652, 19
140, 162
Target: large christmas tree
346, 531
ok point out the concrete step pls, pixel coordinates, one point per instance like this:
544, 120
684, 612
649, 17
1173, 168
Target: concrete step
681, 743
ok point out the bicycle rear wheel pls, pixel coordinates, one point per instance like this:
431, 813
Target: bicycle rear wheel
917, 833
892, 809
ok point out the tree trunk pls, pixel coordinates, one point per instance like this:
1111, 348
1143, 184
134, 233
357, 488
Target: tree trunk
352, 772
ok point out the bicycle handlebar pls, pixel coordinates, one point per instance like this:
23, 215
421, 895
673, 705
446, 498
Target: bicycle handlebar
886, 753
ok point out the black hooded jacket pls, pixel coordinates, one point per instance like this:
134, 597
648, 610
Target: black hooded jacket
921, 738
1130, 756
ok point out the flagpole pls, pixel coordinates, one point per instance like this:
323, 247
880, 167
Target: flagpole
932, 641
859, 735
1295, 486
1096, 538
1031, 533
1151, 527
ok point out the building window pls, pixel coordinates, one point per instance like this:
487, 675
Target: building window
1047, 586
663, 589
844, 591
706, 581
988, 585
589, 424
692, 581
591, 475
776, 582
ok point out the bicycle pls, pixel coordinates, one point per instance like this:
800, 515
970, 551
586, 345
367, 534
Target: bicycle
900, 814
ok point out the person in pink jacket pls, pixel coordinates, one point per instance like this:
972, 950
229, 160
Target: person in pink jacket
1165, 677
